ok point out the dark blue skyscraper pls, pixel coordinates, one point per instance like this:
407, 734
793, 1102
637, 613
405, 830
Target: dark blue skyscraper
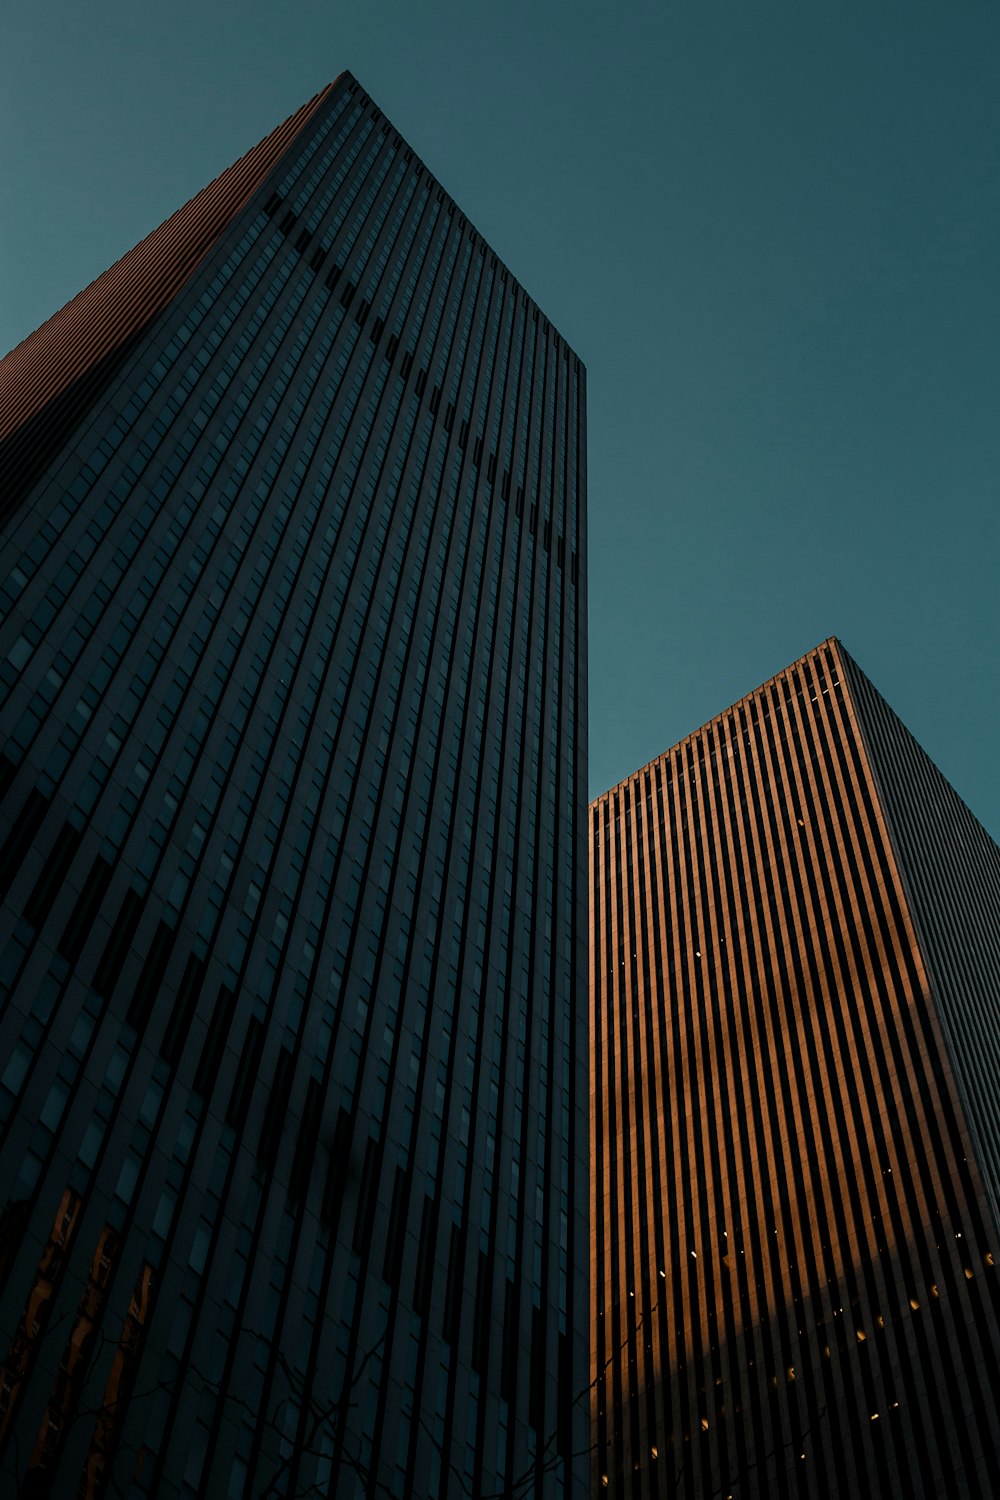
292, 968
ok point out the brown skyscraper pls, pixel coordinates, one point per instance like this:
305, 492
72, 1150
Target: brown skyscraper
795, 1053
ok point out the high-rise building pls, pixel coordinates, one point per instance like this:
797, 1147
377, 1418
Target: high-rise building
293, 851
795, 1051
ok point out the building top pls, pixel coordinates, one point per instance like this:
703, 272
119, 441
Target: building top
48, 379
831, 643
479, 240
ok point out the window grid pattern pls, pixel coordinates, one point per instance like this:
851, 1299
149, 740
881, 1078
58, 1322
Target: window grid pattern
291, 1112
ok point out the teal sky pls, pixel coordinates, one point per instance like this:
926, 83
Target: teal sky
771, 230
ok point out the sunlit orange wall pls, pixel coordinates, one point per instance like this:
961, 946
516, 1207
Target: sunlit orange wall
791, 1260
136, 287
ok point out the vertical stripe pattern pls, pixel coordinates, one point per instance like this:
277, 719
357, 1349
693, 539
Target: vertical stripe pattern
792, 1248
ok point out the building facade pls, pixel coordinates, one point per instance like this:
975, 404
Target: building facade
795, 1053
293, 1033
